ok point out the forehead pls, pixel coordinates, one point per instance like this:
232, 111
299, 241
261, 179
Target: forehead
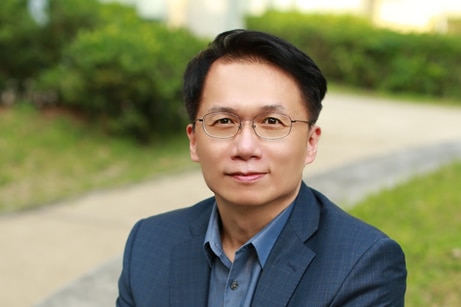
250, 86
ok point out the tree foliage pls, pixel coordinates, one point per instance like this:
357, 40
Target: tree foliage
351, 51
125, 75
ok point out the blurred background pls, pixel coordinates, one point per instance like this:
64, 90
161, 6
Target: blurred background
81, 70
90, 100
208, 17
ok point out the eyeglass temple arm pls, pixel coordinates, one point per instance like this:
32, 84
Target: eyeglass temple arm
303, 121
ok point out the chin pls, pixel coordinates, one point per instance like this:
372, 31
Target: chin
244, 198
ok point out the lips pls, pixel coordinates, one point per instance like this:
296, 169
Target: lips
247, 176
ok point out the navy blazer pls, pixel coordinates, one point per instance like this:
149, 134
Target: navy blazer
323, 257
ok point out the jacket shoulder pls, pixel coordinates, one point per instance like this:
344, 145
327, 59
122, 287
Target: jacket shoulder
148, 252
178, 223
367, 267
342, 224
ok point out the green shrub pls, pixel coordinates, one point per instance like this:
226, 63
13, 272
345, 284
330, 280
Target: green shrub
18, 41
350, 51
65, 20
126, 77
427, 64
27, 48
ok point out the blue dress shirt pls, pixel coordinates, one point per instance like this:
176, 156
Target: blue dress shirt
233, 283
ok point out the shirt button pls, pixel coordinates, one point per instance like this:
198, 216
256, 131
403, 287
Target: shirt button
234, 285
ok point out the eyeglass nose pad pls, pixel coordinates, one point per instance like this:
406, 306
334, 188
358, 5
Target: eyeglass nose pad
241, 125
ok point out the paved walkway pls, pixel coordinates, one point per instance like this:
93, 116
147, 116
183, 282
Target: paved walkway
44, 250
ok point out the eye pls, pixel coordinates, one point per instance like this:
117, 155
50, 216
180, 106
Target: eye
271, 121
221, 119
224, 121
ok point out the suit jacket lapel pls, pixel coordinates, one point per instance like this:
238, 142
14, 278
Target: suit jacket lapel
190, 271
290, 256
289, 259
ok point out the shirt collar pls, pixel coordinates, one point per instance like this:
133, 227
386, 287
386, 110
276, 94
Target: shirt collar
263, 241
212, 243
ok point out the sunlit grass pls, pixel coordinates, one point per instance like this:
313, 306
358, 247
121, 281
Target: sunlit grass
49, 157
407, 97
424, 216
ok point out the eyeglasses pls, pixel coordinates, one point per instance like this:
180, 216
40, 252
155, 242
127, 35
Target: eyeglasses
269, 126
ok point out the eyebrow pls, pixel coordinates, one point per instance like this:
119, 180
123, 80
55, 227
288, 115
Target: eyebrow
221, 109
274, 107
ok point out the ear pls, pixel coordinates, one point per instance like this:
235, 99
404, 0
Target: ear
314, 136
192, 143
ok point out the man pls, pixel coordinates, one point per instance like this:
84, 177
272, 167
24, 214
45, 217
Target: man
265, 238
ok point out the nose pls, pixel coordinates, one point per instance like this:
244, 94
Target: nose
251, 129
246, 143
250, 123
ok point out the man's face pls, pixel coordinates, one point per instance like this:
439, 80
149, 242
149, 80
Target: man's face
245, 170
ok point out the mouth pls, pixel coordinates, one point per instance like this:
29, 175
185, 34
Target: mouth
247, 177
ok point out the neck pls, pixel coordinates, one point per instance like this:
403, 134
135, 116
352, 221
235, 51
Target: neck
241, 223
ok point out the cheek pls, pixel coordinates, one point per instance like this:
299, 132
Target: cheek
297, 151
288, 155
210, 152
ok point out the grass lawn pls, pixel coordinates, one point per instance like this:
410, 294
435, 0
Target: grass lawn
424, 216
51, 157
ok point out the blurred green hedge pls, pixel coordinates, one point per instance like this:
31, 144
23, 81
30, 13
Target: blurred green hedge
351, 51
126, 78
28, 47
125, 75
18, 37
102, 60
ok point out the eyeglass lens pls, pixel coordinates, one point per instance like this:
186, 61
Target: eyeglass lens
266, 125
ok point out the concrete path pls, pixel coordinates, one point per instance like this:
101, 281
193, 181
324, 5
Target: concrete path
44, 250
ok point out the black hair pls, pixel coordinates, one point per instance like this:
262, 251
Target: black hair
255, 46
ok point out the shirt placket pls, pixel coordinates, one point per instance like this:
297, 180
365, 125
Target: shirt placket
239, 276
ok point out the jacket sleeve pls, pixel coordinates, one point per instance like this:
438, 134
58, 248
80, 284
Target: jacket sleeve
377, 279
125, 297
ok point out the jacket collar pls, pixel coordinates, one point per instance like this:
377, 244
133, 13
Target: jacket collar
287, 262
190, 271
290, 256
